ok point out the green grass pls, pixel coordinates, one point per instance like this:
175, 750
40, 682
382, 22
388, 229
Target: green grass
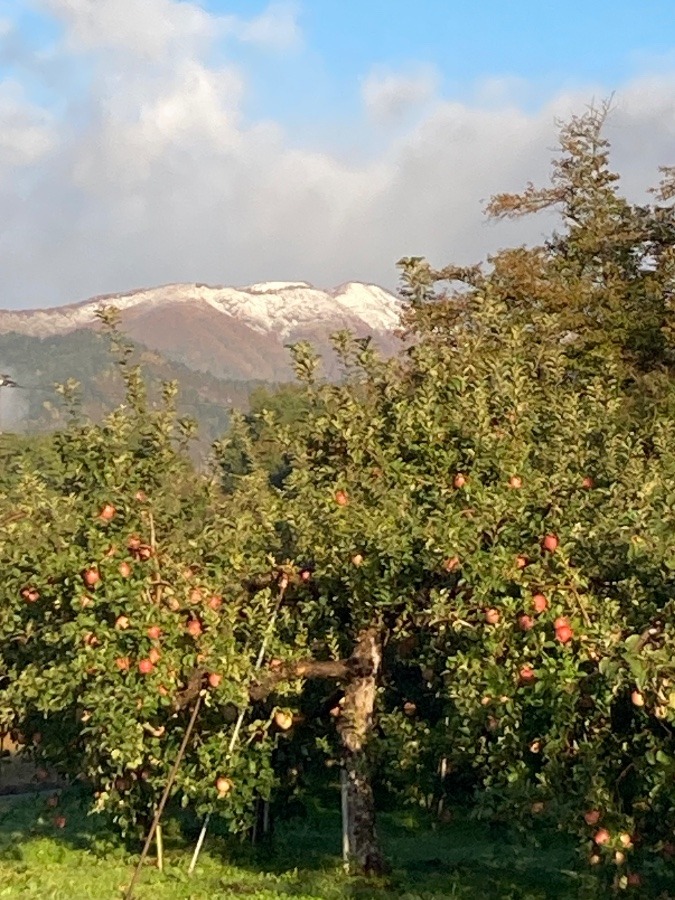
84, 861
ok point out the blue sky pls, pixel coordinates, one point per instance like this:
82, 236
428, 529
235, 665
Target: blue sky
143, 141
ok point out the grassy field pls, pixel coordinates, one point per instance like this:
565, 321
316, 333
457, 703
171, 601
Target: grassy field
83, 861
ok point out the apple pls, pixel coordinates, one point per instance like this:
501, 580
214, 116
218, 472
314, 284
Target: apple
224, 785
122, 623
521, 561
526, 674
537, 807
459, 480
30, 594
91, 576
134, 543
535, 747
215, 679
335, 711
154, 632
124, 569
633, 879
107, 512
550, 543
41, 774
275, 664
214, 602
283, 719
492, 616
341, 498
601, 836
625, 839
587, 482
163, 691
141, 496
154, 655
59, 821
409, 708
594, 859
123, 663
526, 622
144, 552
91, 640
619, 858
564, 634
516, 482
145, 666
451, 564
196, 596
53, 801
194, 628
86, 602
305, 575
637, 699
357, 560
540, 603
592, 816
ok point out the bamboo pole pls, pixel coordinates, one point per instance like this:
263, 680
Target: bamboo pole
344, 804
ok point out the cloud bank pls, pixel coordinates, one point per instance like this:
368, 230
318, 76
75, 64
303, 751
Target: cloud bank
151, 171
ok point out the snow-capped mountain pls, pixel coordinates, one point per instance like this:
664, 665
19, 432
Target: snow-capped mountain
233, 332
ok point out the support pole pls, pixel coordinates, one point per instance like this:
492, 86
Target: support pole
165, 796
345, 819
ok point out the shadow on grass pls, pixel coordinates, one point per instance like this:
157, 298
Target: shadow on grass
462, 859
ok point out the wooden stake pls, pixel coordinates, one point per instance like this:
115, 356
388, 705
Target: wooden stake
345, 819
160, 848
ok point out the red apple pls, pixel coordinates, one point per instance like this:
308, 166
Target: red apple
122, 623
550, 542
141, 496
154, 655
59, 821
145, 666
91, 576
107, 512
341, 498
275, 664
194, 628
144, 552
526, 622
521, 561
592, 816
601, 836
215, 679
124, 569
134, 543
451, 564
537, 807
492, 616
53, 801
214, 602
409, 708
91, 640
516, 482
564, 634
123, 663
540, 603
154, 632
633, 879
587, 483
459, 480
30, 594
637, 699
526, 674
305, 575
163, 691
196, 596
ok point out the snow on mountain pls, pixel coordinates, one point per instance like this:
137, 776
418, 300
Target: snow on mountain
276, 307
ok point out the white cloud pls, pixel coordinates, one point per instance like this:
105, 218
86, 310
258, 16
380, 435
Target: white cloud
276, 27
390, 96
156, 175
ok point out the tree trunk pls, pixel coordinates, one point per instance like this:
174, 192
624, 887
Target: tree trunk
355, 727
